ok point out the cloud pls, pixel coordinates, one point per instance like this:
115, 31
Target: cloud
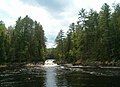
50, 45
50, 5
54, 7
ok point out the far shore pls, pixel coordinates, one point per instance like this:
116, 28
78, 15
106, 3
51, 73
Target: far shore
91, 64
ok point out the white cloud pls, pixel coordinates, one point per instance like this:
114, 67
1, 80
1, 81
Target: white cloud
50, 45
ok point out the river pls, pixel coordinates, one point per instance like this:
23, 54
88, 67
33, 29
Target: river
59, 77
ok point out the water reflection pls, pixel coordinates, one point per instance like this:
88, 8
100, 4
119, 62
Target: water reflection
50, 76
59, 77
89, 78
25, 77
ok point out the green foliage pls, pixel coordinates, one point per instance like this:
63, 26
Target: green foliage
2, 43
24, 43
96, 36
60, 45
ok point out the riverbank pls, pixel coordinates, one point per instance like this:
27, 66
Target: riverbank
94, 65
67, 66
97, 63
18, 65
34, 64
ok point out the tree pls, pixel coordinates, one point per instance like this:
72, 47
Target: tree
2, 42
115, 33
104, 33
28, 41
60, 45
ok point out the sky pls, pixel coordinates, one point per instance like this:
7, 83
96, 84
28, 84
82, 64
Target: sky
53, 15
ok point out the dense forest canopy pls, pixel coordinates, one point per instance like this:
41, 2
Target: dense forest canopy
23, 43
95, 37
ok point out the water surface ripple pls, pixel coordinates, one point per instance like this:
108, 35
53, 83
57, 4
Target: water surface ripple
59, 77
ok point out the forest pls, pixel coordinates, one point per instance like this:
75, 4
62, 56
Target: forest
94, 37
23, 43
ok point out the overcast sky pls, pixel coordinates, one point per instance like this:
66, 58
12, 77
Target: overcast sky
52, 14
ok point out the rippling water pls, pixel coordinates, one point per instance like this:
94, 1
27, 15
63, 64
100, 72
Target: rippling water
59, 77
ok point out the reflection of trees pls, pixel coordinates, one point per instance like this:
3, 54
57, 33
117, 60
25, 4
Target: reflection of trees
61, 80
21, 77
30, 77
37, 78
80, 79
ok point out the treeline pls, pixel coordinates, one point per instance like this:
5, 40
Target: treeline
95, 37
23, 43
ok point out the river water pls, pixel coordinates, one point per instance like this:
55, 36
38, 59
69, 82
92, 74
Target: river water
59, 77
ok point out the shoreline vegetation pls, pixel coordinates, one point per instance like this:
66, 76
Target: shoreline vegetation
94, 40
